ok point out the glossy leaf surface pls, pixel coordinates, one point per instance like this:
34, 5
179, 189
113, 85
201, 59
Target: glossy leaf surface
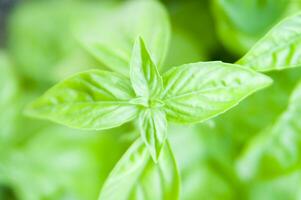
90, 100
196, 92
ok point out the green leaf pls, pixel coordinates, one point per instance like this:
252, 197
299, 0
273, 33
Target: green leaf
144, 74
40, 51
262, 108
277, 150
136, 176
92, 100
55, 159
286, 187
279, 49
153, 130
197, 149
196, 92
111, 39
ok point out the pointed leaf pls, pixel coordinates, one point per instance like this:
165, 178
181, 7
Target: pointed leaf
111, 38
153, 130
136, 176
279, 49
196, 92
144, 74
92, 100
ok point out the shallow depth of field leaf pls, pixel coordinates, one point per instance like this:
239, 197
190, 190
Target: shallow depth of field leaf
196, 92
71, 156
277, 150
136, 176
283, 187
43, 50
8, 96
8, 82
111, 39
278, 49
200, 176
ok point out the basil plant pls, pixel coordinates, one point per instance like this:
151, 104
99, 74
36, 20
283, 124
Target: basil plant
187, 94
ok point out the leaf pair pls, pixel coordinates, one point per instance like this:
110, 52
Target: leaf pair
191, 93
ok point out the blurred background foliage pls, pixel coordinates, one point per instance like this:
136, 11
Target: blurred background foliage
234, 156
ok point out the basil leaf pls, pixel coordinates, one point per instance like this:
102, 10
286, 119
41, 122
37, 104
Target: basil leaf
196, 92
92, 100
278, 49
111, 39
153, 130
277, 150
263, 108
144, 74
136, 176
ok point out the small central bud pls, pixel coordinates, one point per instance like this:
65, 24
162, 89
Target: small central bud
155, 103
149, 103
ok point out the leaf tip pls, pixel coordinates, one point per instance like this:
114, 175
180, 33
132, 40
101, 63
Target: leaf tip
155, 154
139, 43
265, 80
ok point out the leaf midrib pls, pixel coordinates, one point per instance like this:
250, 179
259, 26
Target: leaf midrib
199, 92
